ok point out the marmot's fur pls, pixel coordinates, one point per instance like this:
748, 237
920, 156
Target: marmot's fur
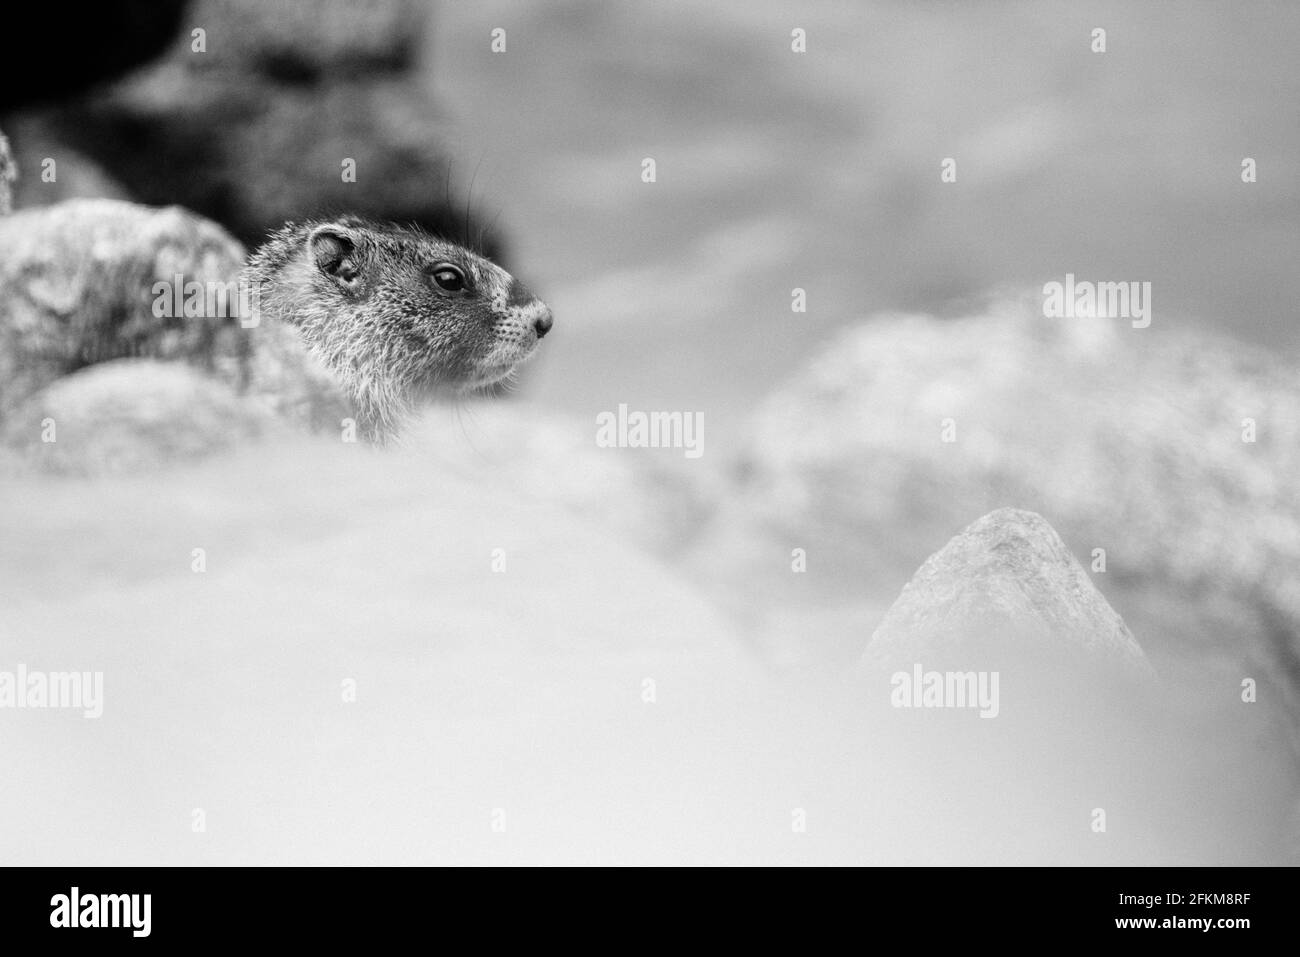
395, 314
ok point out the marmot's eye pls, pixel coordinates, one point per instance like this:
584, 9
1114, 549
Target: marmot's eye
449, 277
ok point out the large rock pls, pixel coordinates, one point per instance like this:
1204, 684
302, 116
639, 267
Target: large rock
571, 679
78, 286
655, 504
301, 41
1008, 586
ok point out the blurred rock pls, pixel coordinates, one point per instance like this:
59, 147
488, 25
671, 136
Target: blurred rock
253, 130
301, 40
1131, 441
650, 502
75, 175
77, 286
1006, 584
130, 415
584, 672
285, 379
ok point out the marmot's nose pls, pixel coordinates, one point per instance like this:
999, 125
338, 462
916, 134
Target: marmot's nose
542, 324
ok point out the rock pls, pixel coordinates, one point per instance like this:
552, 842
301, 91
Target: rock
8, 173
1006, 585
78, 289
130, 415
645, 500
584, 671
77, 286
1131, 441
285, 379
300, 42
253, 130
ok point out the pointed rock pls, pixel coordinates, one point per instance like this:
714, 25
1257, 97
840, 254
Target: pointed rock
1006, 587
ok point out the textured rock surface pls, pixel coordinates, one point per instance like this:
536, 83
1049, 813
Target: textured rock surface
1007, 578
252, 131
77, 291
8, 173
77, 287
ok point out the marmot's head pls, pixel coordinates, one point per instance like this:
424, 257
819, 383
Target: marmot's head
396, 313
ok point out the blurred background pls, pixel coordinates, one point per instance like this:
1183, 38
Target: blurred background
822, 171
775, 170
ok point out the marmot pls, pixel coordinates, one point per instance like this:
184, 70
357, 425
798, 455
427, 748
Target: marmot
396, 315
351, 317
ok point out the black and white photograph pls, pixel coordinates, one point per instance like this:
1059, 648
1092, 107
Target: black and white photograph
650, 433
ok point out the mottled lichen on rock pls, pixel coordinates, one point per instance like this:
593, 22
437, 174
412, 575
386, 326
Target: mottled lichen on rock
8, 173
81, 343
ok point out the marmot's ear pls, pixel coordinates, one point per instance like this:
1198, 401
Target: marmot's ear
333, 248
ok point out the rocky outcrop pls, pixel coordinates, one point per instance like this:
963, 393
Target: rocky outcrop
8, 173
1006, 586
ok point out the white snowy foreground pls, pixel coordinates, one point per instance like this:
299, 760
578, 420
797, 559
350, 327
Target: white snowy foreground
566, 699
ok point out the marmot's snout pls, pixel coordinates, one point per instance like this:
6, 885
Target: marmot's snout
531, 310
542, 324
